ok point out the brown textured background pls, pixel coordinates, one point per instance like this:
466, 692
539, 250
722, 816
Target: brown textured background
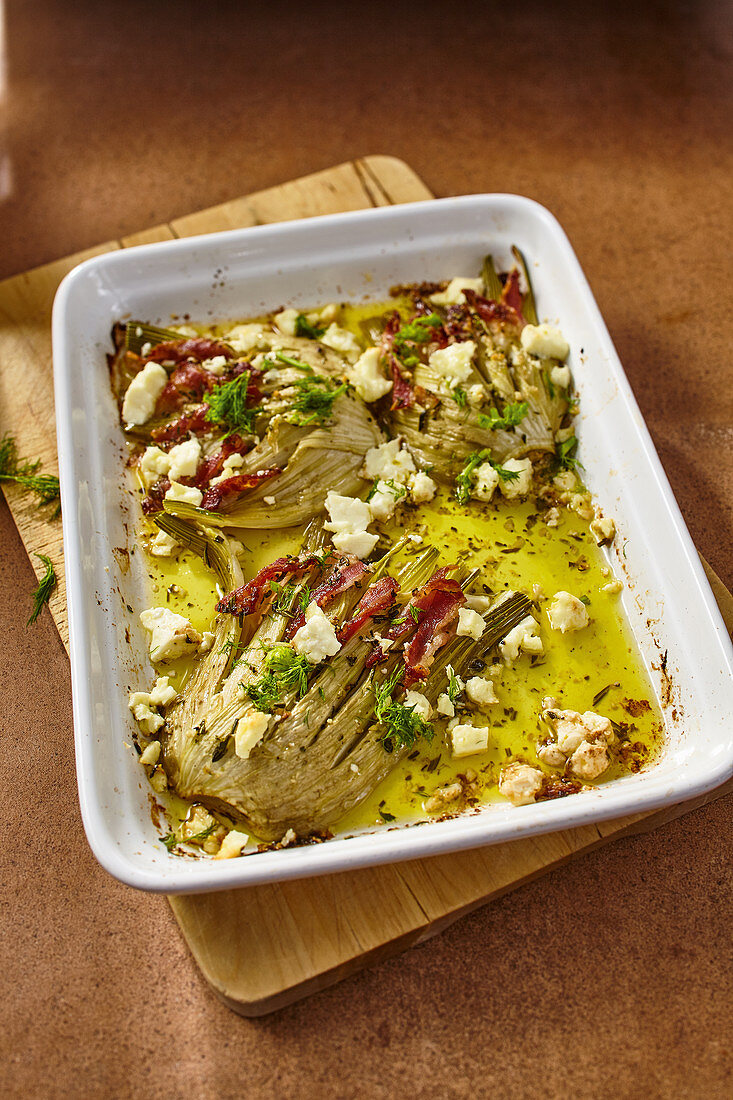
610, 977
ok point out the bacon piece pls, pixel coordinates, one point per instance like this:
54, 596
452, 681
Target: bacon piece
347, 573
250, 596
377, 599
218, 495
511, 295
186, 383
194, 347
403, 395
436, 606
153, 502
489, 310
211, 467
195, 421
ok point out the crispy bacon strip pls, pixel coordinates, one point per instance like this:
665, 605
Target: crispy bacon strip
195, 347
153, 502
511, 295
249, 597
436, 606
347, 573
195, 421
377, 599
403, 395
489, 310
218, 495
211, 467
186, 383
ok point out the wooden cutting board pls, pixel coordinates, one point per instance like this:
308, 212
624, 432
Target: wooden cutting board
267, 946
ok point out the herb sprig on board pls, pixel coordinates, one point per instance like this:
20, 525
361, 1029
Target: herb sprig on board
25, 473
46, 585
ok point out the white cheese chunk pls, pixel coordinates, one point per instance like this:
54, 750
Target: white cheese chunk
422, 487
243, 338
420, 703
187, 494
164, 545
467, 739
341, 340
486, 481
478, 603
603, 529
545, 341
232, 463
572, 728
481, 691
148, 719
590, 759
517, 486
251, 728
384, 499
476, 395
171, 635
150, 754
524, 637
143, 393
560, 376
358, 543
232, 845
470, 624
184, 459
154, 464
316, 639
389, 462
453, 294
444, 705
349, 518
565, 482
367, 379
217, 365
454, 362
567, 612
162, 693
286, 321
520, 783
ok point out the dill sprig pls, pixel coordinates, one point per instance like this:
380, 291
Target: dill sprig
403, 726
313, 401
565, 453
418, 331
464, 481
460, 397
513, 414
284, 670
42, 594
228, 405
291, 362
303, 327
24, 473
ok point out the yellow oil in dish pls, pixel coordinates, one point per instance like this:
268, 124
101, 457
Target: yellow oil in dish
514, 549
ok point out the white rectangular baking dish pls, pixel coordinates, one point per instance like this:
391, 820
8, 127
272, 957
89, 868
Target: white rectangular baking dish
351, 256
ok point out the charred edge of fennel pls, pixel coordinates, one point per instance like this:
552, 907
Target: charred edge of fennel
529, 305
492, 282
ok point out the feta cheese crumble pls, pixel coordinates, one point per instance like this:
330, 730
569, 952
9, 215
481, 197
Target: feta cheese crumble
523, 638
366, 377
349, 518
454, 362
316, 639
470, 624
171, 635
466, 739
251, 728
453, 294
341, 340
517, 486
520, 783
187, 494
567, 612
184, 459
388, 461
545, 341
143, 393
232, 844
420, 703
481, 691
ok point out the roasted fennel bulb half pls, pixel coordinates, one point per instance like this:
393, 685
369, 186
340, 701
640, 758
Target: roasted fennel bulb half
464, 382
299, 709
274, 429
